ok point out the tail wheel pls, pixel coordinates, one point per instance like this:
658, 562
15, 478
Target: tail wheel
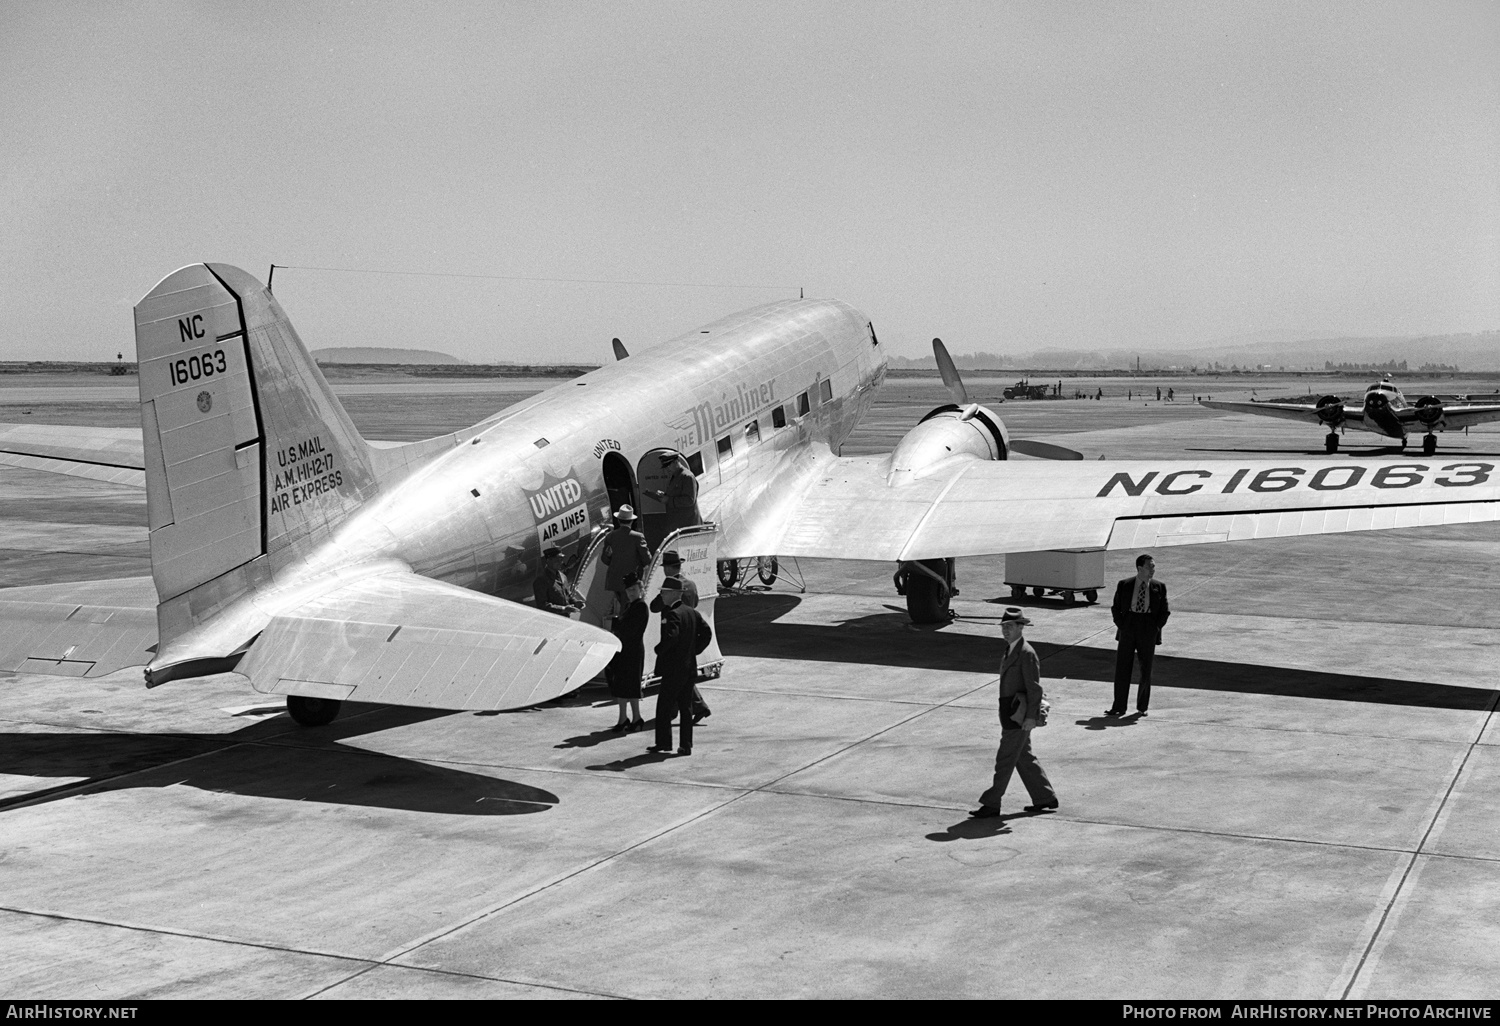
313, 712
766, 569
729, 572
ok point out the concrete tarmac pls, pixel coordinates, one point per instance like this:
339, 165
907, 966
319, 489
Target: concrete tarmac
1309, 811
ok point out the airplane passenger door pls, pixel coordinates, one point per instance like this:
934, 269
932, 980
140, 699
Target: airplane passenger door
698, 547
656, 519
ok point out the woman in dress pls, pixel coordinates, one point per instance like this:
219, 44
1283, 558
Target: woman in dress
624, 670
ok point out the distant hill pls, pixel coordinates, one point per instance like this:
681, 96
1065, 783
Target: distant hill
1289, 350
377, 354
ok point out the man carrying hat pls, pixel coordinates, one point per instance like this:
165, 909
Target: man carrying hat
552, 589
1020, 701
624, 553
671, 564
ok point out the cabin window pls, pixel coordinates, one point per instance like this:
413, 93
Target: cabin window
752, 432
695, 464
827, 389
726, 446
778, 417
802, 406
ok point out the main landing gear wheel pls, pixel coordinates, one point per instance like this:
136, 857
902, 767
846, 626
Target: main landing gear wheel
766, 569
729, 572
313, 712
1331, 442
1429, 445
926, 599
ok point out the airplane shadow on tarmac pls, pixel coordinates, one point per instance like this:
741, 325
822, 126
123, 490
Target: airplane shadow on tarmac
889, 639
269, 759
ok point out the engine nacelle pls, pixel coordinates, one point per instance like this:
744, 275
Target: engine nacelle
1331, 410
1429, 410
949, 433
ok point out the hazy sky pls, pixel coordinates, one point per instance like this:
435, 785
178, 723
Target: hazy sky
1009, 176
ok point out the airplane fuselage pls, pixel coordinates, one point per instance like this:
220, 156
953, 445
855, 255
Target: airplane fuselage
735, 398
1382, 401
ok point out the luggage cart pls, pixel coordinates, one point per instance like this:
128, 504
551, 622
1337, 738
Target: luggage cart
1064, 572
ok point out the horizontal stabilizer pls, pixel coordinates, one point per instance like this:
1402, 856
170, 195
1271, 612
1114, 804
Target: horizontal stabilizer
403, 639
45, 630
100, 454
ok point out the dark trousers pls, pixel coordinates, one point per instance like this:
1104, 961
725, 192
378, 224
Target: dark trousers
1133, 644
1015, 755
672, 699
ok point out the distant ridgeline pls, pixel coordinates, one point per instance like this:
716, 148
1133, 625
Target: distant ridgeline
424, 363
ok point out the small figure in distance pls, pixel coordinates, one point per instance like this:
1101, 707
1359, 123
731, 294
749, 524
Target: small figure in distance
684, 634
671, 564
552, 590
1140, 611
1020, 702
624, 671
624, 553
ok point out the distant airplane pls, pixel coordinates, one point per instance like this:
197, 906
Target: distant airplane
323, 567
1385, 411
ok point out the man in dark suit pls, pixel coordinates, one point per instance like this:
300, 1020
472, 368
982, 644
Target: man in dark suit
1140, 612
671, 564
684, 633
1020, 702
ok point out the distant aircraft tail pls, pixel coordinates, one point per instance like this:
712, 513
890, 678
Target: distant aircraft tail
249, 456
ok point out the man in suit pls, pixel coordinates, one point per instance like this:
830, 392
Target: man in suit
684, 633
551, 588
1020, 701
1140, 612
671, 564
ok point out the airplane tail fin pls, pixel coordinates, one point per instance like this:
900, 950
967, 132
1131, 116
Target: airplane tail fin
249, 456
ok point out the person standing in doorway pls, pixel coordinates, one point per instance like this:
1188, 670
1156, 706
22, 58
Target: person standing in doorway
1140, 611
1020, 704
680, 497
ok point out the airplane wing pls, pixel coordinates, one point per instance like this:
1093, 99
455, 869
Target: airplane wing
102, 454
1306, 413
404, 639
1456, 416
845, 508
84, 629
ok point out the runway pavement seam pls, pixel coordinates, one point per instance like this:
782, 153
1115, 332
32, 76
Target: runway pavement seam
188, 934
1378, 937
462, 975
436, 935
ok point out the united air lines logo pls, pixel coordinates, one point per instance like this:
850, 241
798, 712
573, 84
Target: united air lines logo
560, 509
703, 422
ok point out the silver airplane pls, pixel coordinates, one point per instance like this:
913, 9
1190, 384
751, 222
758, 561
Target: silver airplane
325, 568
1384, 411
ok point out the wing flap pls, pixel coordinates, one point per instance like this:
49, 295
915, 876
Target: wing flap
402, 639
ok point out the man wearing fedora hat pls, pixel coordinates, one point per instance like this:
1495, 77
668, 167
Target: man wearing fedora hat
1020, 702
624, 553
671, 564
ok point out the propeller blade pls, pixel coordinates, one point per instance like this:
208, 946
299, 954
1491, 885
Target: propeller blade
1044, 450
620, 352
954, 383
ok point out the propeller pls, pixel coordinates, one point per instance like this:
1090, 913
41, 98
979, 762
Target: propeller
1044, 450
955, 386
954, 383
